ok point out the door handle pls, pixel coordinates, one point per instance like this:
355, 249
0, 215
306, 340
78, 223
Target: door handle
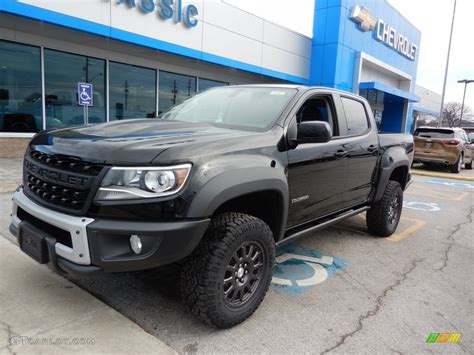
341, 153
372, 148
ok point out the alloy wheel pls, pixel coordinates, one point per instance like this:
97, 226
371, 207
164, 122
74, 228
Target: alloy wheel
243, 274
394, 209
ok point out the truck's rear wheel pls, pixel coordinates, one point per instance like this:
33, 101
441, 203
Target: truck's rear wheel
384, 215
226, 278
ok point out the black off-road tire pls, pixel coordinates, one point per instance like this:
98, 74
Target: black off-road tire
203, 272
384, 215
456, 167
468, 166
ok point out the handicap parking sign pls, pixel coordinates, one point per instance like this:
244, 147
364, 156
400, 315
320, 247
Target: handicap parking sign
84, 94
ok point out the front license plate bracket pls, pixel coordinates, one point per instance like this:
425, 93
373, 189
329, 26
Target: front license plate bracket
33, 242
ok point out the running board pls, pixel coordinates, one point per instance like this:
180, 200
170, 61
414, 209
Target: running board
322, 225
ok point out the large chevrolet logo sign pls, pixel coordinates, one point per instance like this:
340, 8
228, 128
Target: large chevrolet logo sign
364, 17
384, 32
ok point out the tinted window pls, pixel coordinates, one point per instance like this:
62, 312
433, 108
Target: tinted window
239, 107
357, 122
132, 91
205, 84
174, 89
317, 109
62, 72
433, 133
20, 88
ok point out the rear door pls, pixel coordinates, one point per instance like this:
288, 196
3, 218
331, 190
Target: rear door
468, 147
361, 149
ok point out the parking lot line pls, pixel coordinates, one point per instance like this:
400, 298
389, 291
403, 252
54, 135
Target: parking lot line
408, 231
397, 236
462, 196
452, 196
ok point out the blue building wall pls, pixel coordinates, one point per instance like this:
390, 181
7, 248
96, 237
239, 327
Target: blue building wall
337, 40
337, 43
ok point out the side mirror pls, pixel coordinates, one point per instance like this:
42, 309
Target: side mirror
314, 132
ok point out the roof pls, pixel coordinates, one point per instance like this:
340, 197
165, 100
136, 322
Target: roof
389, 90
293, 86
283, 86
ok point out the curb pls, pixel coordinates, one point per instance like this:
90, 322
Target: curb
441, 175
85, 324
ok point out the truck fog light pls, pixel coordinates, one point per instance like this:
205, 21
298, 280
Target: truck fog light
136, 243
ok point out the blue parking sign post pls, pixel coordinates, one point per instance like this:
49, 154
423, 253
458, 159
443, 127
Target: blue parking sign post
85, 92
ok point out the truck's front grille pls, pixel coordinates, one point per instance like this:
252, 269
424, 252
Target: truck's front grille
64, 183
57, 194
67, 163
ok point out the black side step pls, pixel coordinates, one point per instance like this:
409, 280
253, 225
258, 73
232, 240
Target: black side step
322, 225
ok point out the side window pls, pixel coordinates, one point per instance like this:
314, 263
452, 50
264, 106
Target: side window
317, 109
357, 120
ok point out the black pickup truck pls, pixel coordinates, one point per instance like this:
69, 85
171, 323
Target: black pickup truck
216, 184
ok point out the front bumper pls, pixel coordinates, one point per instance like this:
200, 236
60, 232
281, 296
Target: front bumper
102, 245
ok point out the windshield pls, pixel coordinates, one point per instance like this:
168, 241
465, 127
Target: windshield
254, 108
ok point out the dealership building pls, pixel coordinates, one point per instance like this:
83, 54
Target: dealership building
143, 56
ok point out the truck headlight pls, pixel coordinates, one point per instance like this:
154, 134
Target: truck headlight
122, 183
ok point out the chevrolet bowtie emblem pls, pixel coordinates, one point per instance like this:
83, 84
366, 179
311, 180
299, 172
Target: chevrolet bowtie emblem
364, 17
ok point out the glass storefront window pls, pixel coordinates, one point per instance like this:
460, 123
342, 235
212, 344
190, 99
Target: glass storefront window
20, 88
174, 89
132, 91
62, 72
205, 84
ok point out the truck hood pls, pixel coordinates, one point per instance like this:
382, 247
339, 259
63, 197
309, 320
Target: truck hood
129, 142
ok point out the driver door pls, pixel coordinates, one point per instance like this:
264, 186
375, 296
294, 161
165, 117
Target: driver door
317, 171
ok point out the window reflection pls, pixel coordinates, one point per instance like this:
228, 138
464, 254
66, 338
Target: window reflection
132, 91
20, 88
174, 89
62, 73
358, 122
205, 84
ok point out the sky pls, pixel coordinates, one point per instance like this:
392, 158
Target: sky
431, 17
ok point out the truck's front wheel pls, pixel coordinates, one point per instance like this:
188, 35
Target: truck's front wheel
226, 278
384, 215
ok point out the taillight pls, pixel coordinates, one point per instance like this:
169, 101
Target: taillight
451, 142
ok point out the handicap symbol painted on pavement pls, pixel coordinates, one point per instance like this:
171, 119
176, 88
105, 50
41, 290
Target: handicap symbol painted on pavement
452, 184
297, 269
422, 206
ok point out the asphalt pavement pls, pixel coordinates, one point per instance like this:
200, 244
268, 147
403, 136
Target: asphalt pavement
339, 290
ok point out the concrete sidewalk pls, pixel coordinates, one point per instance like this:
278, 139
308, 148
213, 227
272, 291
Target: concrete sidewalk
10, 174
43, 313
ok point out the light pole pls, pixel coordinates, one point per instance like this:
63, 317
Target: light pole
447, 67
465, 82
